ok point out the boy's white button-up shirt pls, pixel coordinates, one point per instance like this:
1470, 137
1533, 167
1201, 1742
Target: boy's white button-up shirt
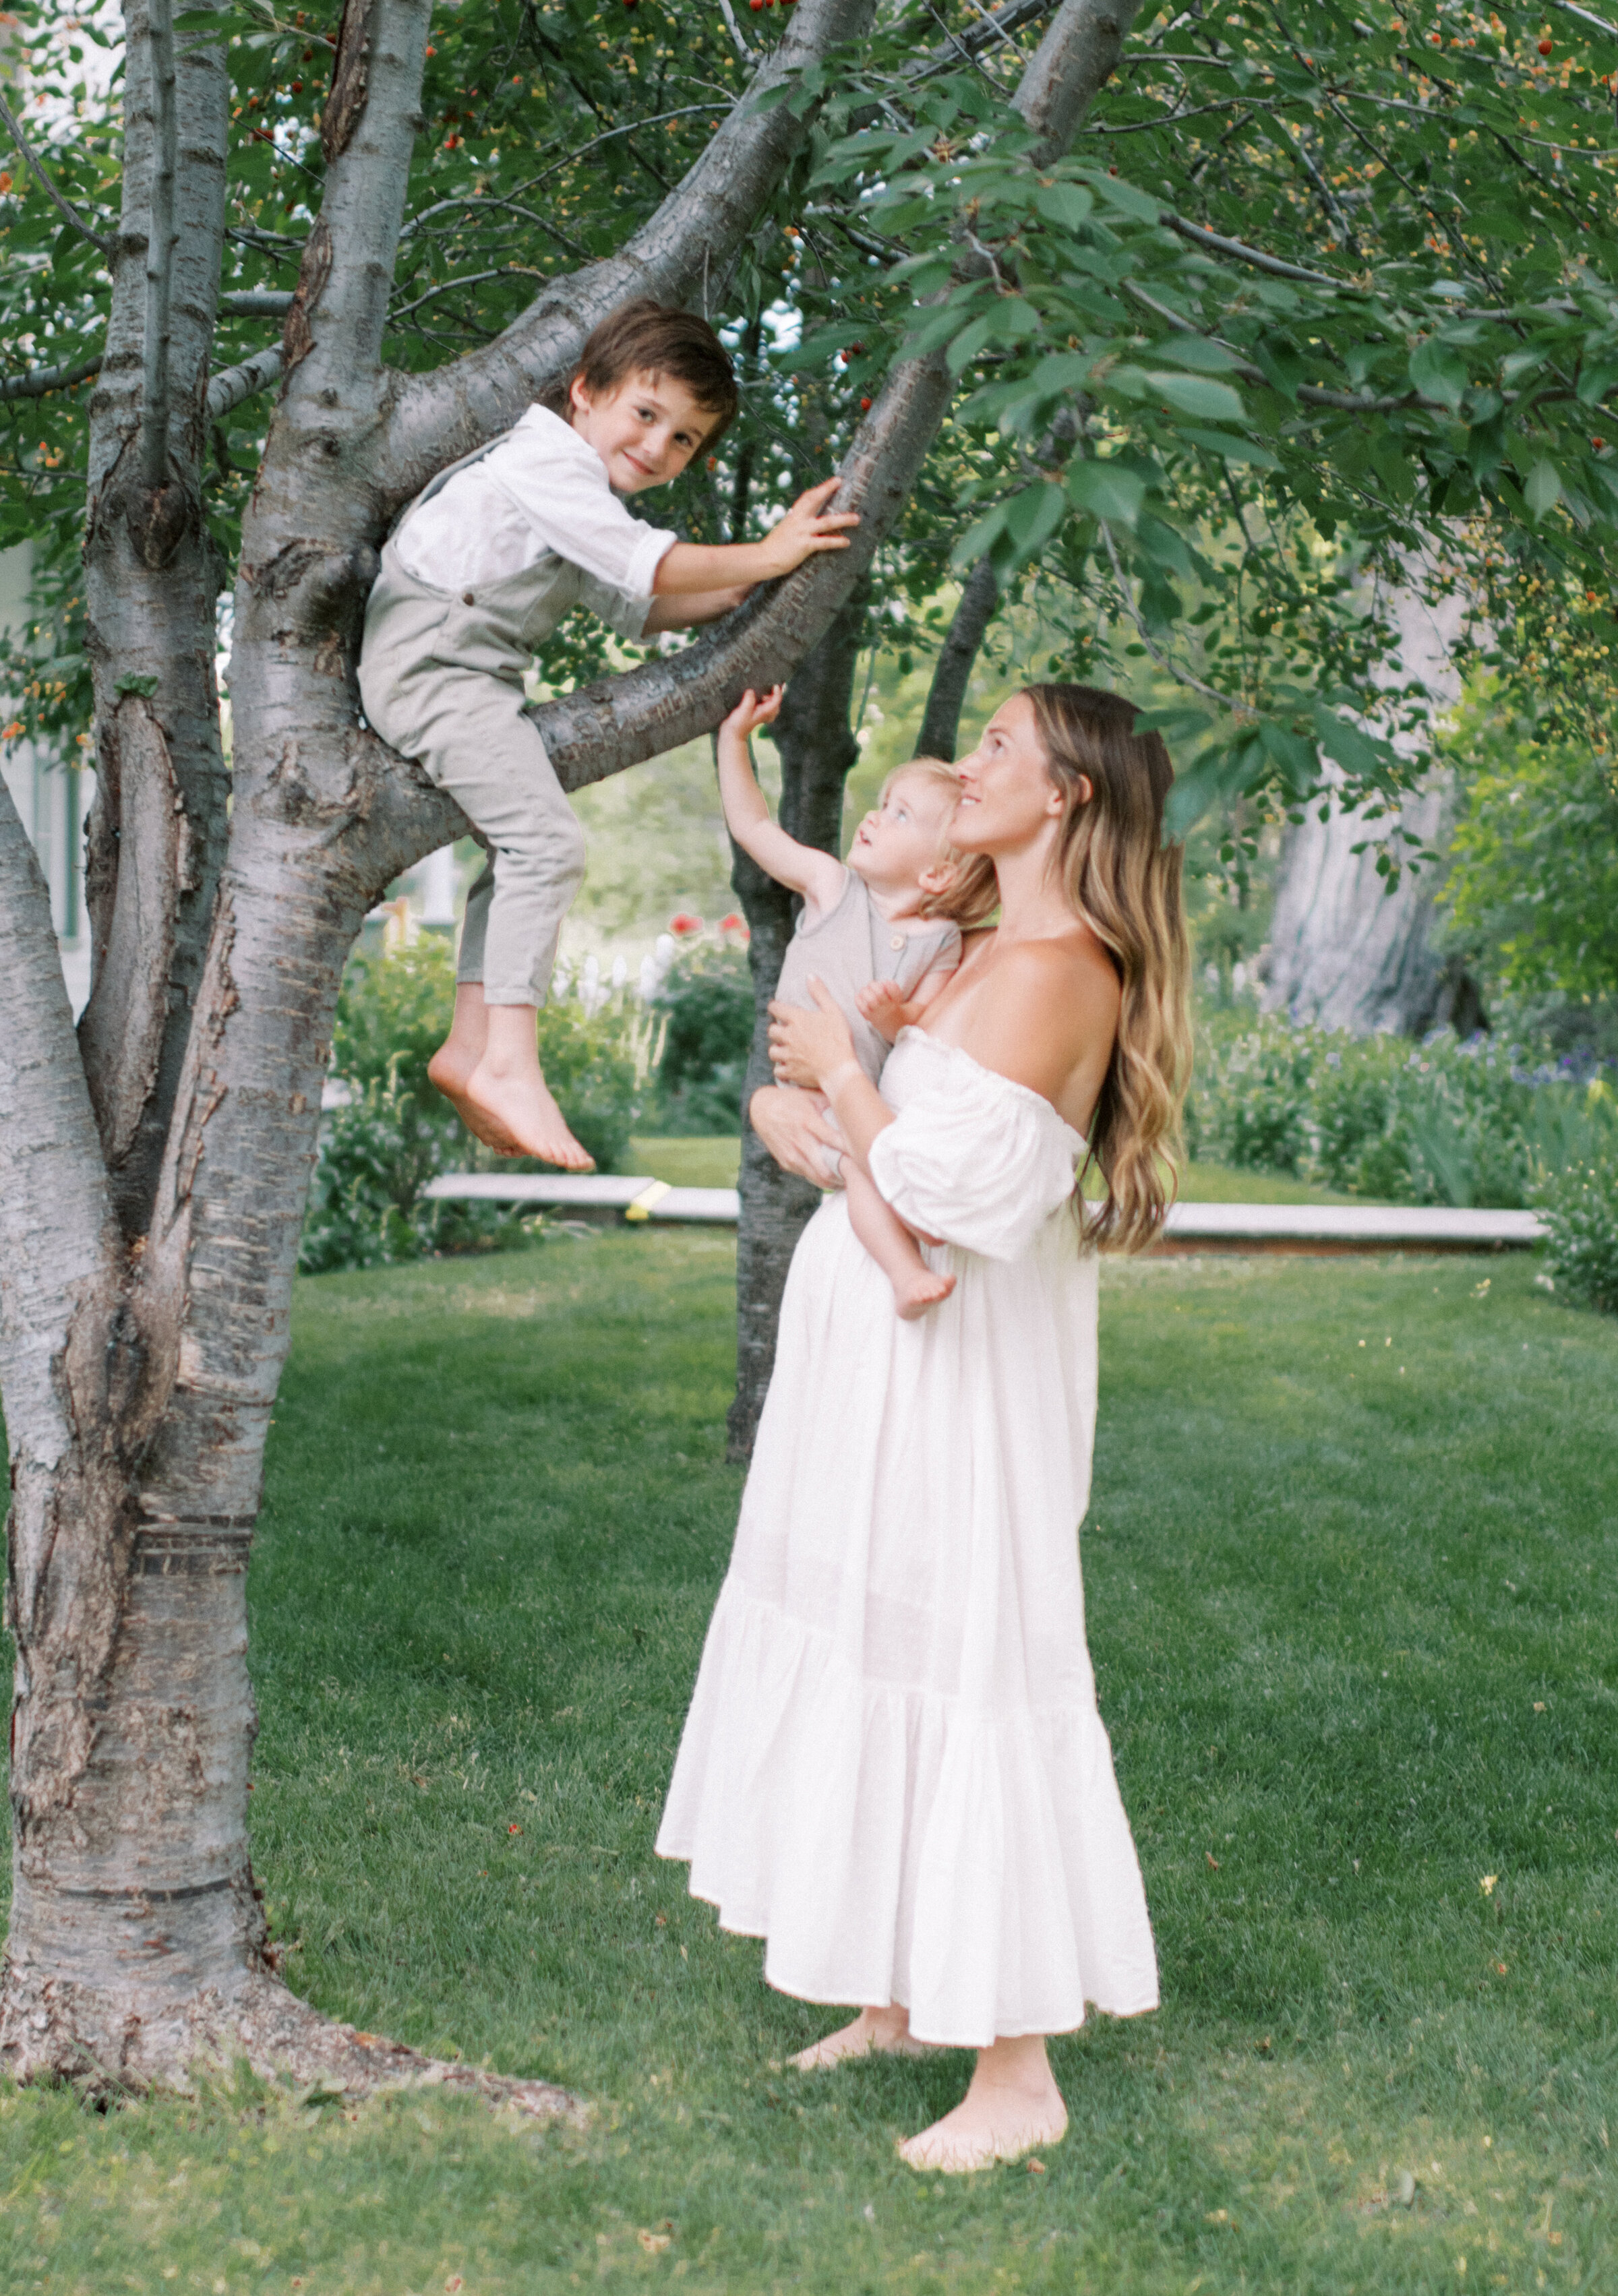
542, 492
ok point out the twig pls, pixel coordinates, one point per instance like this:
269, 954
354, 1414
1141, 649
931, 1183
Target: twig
734, 30
1245, 254
160, 248
57, 199
473, 279
38, 381
1585, 16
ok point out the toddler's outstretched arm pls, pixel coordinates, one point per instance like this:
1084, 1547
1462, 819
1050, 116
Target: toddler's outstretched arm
802, 868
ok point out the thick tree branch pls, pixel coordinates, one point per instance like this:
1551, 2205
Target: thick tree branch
159, 246
38, 381
56, 1230
952, 674
233, 385
58, 200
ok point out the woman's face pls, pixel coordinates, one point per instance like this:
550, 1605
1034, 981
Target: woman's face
1008, 799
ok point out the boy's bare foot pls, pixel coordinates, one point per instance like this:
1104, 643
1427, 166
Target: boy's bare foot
450, 1070
524, 1109
874, 2033
1013, 2106
915, 1294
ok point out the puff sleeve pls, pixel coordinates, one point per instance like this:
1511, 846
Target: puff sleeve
978, 1160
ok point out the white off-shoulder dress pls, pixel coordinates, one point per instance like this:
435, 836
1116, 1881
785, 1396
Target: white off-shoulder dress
893, 1769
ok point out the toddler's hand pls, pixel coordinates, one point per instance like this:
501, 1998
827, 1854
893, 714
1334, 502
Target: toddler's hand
808, 527
885, 1005
752, 710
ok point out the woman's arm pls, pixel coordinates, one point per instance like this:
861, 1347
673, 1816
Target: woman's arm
815, 1049
792, 1128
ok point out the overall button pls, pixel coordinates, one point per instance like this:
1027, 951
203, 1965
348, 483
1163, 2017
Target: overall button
897, 941
467, 599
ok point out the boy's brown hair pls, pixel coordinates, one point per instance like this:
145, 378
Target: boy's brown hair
647, 337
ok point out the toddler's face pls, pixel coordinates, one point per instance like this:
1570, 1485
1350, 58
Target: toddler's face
905, 836
646, 430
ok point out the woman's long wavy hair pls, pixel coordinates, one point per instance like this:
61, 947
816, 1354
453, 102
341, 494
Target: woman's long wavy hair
1120, 877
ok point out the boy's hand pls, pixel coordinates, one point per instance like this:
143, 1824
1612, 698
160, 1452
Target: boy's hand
752, 710
885, 1005
808, 529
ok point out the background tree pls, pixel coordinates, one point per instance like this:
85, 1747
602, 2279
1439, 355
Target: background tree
1345, 283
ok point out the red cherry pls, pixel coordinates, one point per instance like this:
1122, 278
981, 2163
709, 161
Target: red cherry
297, 87
864, 405
1545, 48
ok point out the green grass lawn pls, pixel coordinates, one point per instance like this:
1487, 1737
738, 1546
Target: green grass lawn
712, 1163
1352, 1567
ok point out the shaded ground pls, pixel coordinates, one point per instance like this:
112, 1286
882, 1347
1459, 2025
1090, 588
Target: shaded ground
1352, 1609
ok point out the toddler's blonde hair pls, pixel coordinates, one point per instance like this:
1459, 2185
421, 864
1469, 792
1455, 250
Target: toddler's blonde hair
973, 895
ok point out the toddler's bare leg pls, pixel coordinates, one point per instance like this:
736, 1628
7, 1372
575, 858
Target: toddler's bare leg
451, 1066
507, 1088
874, 2033
893, 1248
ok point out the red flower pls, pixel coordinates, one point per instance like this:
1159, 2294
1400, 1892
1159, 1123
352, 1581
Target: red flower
734, 927
683, 924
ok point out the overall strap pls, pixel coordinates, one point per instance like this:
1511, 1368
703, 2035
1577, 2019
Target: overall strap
436, 485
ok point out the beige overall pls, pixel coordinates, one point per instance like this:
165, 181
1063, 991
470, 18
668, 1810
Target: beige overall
440, 676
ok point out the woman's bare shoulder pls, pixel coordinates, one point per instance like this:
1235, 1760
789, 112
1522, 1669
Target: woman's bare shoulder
1051, 1010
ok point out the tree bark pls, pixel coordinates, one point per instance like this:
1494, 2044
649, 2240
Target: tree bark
952, 672
817, 751
1345, 952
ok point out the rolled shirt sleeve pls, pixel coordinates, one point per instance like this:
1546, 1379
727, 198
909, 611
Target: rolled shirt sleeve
617, 609
982, 1163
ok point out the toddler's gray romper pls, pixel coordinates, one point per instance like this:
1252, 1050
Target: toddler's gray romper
852, 944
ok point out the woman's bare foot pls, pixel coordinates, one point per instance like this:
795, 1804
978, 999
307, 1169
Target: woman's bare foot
874, 2033
450, 1069
915, 1294
521, 1105
1013, 2106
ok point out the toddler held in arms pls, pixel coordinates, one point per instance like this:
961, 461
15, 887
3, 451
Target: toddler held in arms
486, 562
880, 935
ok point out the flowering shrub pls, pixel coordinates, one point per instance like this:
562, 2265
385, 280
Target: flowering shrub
1579, 1209
1437, 1123
706, 995
395, 1133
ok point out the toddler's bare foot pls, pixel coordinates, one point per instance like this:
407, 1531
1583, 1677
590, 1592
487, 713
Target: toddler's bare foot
997, 2119
874, 2033
450, 1070
522, 1106
913, 1295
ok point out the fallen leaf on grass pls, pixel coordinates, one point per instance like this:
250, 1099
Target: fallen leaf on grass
653, 2242
1213, 1860
1036, 2167
1486, 1884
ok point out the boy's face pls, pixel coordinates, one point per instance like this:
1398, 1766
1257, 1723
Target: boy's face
903, 839
645, 428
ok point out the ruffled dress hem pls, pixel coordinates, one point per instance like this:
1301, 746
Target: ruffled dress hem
893, 1844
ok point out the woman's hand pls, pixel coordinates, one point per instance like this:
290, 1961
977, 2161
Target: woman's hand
806, 1048
793, 1128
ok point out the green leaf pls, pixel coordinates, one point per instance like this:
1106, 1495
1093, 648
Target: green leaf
1234, 449
1438, 373
1105, 491
1196, 352
1293, 757
1356, 752
130, 684
1033, 516
1543, 489
1068, 205
1195, 394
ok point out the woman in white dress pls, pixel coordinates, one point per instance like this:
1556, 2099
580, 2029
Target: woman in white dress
893, 1769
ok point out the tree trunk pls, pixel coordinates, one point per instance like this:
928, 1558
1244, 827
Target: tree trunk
952, 672
817, 752
1345, 951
